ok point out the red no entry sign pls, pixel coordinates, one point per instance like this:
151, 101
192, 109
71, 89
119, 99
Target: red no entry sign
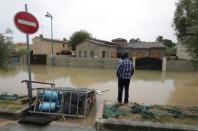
26, 22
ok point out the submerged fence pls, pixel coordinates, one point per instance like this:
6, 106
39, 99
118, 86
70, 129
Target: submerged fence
84, 62
62, 60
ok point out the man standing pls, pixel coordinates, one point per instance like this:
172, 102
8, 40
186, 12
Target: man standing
124, 73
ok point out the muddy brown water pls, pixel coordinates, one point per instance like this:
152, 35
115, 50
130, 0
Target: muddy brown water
149, 87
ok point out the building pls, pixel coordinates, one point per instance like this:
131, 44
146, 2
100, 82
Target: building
144, 50
120, 41
43, 45
95, 48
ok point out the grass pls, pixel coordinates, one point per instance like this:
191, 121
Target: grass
171, 51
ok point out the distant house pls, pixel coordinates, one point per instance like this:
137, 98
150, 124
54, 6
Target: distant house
43, 45
145, 49
140, 49
95, 48
182, 53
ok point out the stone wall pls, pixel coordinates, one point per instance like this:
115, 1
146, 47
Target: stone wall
61, 60
179, 65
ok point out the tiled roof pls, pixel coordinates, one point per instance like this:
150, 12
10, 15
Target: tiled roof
54, 40
145, 45
118, 39
142, 45
103, 42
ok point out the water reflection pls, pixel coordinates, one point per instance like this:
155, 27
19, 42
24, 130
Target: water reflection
151, 87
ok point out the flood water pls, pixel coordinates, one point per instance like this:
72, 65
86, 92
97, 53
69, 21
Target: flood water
150, 87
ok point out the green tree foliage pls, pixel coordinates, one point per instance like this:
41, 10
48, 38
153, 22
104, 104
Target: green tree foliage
137, 40
21, 52
159, 38
78, 37
168, 43
186, 25
5, 51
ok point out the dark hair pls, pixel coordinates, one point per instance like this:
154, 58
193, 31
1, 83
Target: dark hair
125, 55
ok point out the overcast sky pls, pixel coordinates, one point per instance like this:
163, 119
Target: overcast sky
104, 19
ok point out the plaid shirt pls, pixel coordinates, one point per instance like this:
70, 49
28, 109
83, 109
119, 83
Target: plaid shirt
125, 69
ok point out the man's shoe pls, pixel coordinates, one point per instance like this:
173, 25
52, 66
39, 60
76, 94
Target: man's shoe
119, 102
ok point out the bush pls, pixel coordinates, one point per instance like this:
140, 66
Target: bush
171, 51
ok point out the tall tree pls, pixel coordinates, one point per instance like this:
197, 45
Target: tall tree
159, 38
78, 37
168, 43
137, 40
5, 51
186, 25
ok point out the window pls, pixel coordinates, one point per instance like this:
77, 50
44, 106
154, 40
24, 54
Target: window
155, 55
85, 55
119, 55
92, 54
139, 55
79, 53
103, 54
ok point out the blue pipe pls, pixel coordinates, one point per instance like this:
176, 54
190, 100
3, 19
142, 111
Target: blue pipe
50, 95
46, 106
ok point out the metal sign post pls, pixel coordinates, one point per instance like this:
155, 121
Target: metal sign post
27, 24
29, 84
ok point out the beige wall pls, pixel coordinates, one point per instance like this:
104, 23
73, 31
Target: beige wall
157, 53
181, 52
140, 53
110, 52
41, 46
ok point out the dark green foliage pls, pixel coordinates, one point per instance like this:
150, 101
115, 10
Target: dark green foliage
171, 51
21, 52
186, 25
192, 39
5, 51
159, 39
132, 40
184, 16
168, 43
78, 37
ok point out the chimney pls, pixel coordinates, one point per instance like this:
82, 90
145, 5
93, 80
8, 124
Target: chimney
41, 36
